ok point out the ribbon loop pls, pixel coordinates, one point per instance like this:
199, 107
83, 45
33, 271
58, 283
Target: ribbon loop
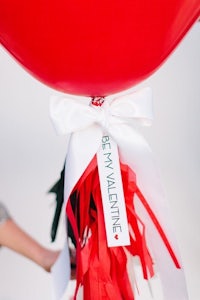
136, 105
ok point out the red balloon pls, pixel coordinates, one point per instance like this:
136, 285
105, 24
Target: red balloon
94, 47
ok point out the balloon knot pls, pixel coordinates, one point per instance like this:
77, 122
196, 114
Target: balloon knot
97, 101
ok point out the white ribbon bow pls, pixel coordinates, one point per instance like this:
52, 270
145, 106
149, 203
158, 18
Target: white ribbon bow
70, 115
84, 125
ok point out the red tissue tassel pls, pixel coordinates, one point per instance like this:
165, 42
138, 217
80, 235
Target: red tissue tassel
102, 270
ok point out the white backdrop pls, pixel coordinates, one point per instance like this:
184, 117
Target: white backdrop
32, 156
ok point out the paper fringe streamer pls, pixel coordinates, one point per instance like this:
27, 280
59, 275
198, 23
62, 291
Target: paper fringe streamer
102, 271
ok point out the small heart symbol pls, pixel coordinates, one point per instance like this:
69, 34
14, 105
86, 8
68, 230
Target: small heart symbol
116, 236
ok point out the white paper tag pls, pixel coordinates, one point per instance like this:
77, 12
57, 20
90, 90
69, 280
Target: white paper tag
115, 216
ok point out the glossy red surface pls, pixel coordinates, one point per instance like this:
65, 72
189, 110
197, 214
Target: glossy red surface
94, 47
